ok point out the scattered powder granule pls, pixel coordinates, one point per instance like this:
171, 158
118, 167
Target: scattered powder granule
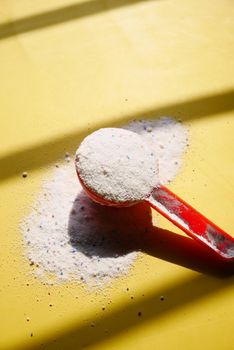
69, 237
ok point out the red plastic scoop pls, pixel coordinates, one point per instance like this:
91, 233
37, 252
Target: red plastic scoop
183, 216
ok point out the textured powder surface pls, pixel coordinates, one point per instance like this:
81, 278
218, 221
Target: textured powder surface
117, 165
168, 138
69, 237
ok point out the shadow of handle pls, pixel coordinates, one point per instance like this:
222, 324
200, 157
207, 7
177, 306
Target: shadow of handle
186, 252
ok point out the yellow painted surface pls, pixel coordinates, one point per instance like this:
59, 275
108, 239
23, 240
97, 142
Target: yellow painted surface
67, 68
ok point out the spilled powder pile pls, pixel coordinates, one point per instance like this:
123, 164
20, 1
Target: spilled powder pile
117, 165
69, 237
169, 140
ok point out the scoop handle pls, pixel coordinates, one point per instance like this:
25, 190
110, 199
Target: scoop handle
192, 222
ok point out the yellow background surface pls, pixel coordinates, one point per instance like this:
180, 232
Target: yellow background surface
67, 68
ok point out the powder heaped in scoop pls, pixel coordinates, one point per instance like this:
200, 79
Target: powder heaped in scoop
117, 165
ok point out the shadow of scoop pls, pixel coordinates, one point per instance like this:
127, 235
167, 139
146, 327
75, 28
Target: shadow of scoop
108, 232
101, 231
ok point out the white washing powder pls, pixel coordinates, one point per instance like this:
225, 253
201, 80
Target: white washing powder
118, 165
69, 237
169, 140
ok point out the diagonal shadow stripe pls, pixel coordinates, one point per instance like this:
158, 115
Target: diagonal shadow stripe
125, 317
63, 14
44, 153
